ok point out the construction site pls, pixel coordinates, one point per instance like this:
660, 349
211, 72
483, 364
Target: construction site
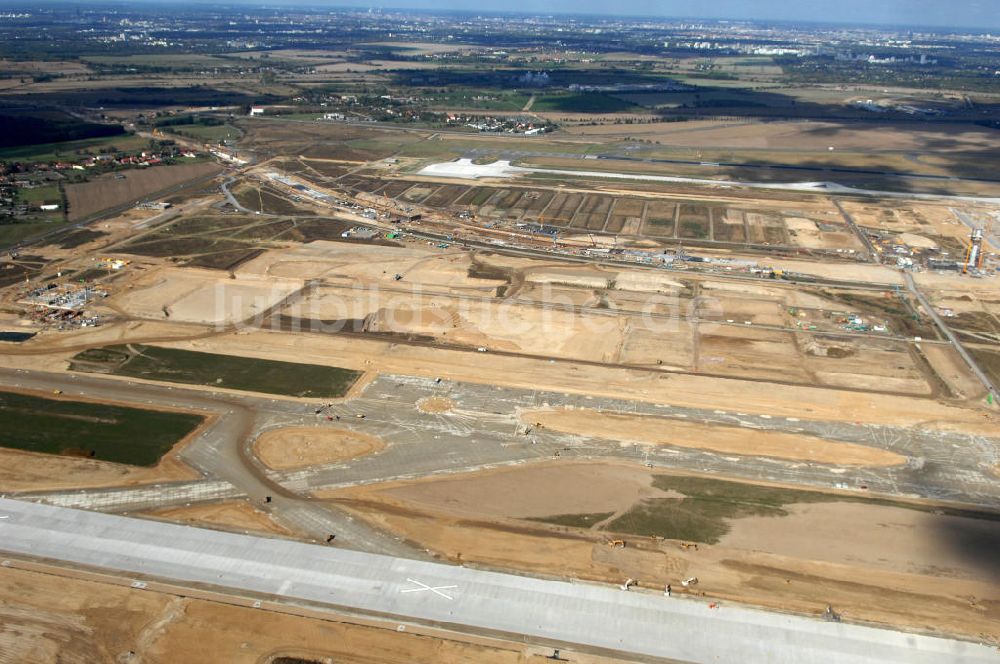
762, 397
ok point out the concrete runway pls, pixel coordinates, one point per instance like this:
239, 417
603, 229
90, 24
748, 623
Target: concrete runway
635, 623
215, 452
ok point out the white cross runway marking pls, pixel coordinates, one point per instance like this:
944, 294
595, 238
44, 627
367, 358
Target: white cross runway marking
424, 587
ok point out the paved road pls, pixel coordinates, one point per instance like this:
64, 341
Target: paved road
485, 429
469, 171
946, 331
216, 453
515, 154
539, 611
138, 498
232, 199
860, 234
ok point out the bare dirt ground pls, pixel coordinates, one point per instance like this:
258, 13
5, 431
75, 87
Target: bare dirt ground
532, 490
51, 351
801, 561
435, 405
201, 296
922, 225
952, 369
238, 515
867, 273
28, 471
650, 430
803, 135
107, 191
649, 386
72, 618
551, 310
300, 447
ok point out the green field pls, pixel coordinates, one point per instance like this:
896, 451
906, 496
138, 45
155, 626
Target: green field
109, 433
486, 100
40, 195
165, 61
69, 149
207, 133
590, 102
701, 516
708, 506
229, 371
11, 234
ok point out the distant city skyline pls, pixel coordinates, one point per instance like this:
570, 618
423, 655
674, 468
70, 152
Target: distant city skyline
973, 14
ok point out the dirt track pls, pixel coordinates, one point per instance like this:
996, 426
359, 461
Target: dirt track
726, 440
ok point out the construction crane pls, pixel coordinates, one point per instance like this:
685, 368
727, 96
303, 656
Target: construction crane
974, 254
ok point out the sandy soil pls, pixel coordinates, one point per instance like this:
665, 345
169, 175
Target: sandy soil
533, 490
540, 314
299, 447
357, 263
435, 405
655, 387
52, 349
73, 618
852, 559
949, 365
898, 540
875, 274
201, 296
238, 515
651, 430
29, 471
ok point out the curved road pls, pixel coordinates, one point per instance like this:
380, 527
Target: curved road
217, 452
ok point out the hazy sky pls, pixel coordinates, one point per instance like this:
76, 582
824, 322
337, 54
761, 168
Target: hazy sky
983, 14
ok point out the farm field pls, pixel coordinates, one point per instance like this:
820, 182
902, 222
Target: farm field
72, 149
208, 133
110, 190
